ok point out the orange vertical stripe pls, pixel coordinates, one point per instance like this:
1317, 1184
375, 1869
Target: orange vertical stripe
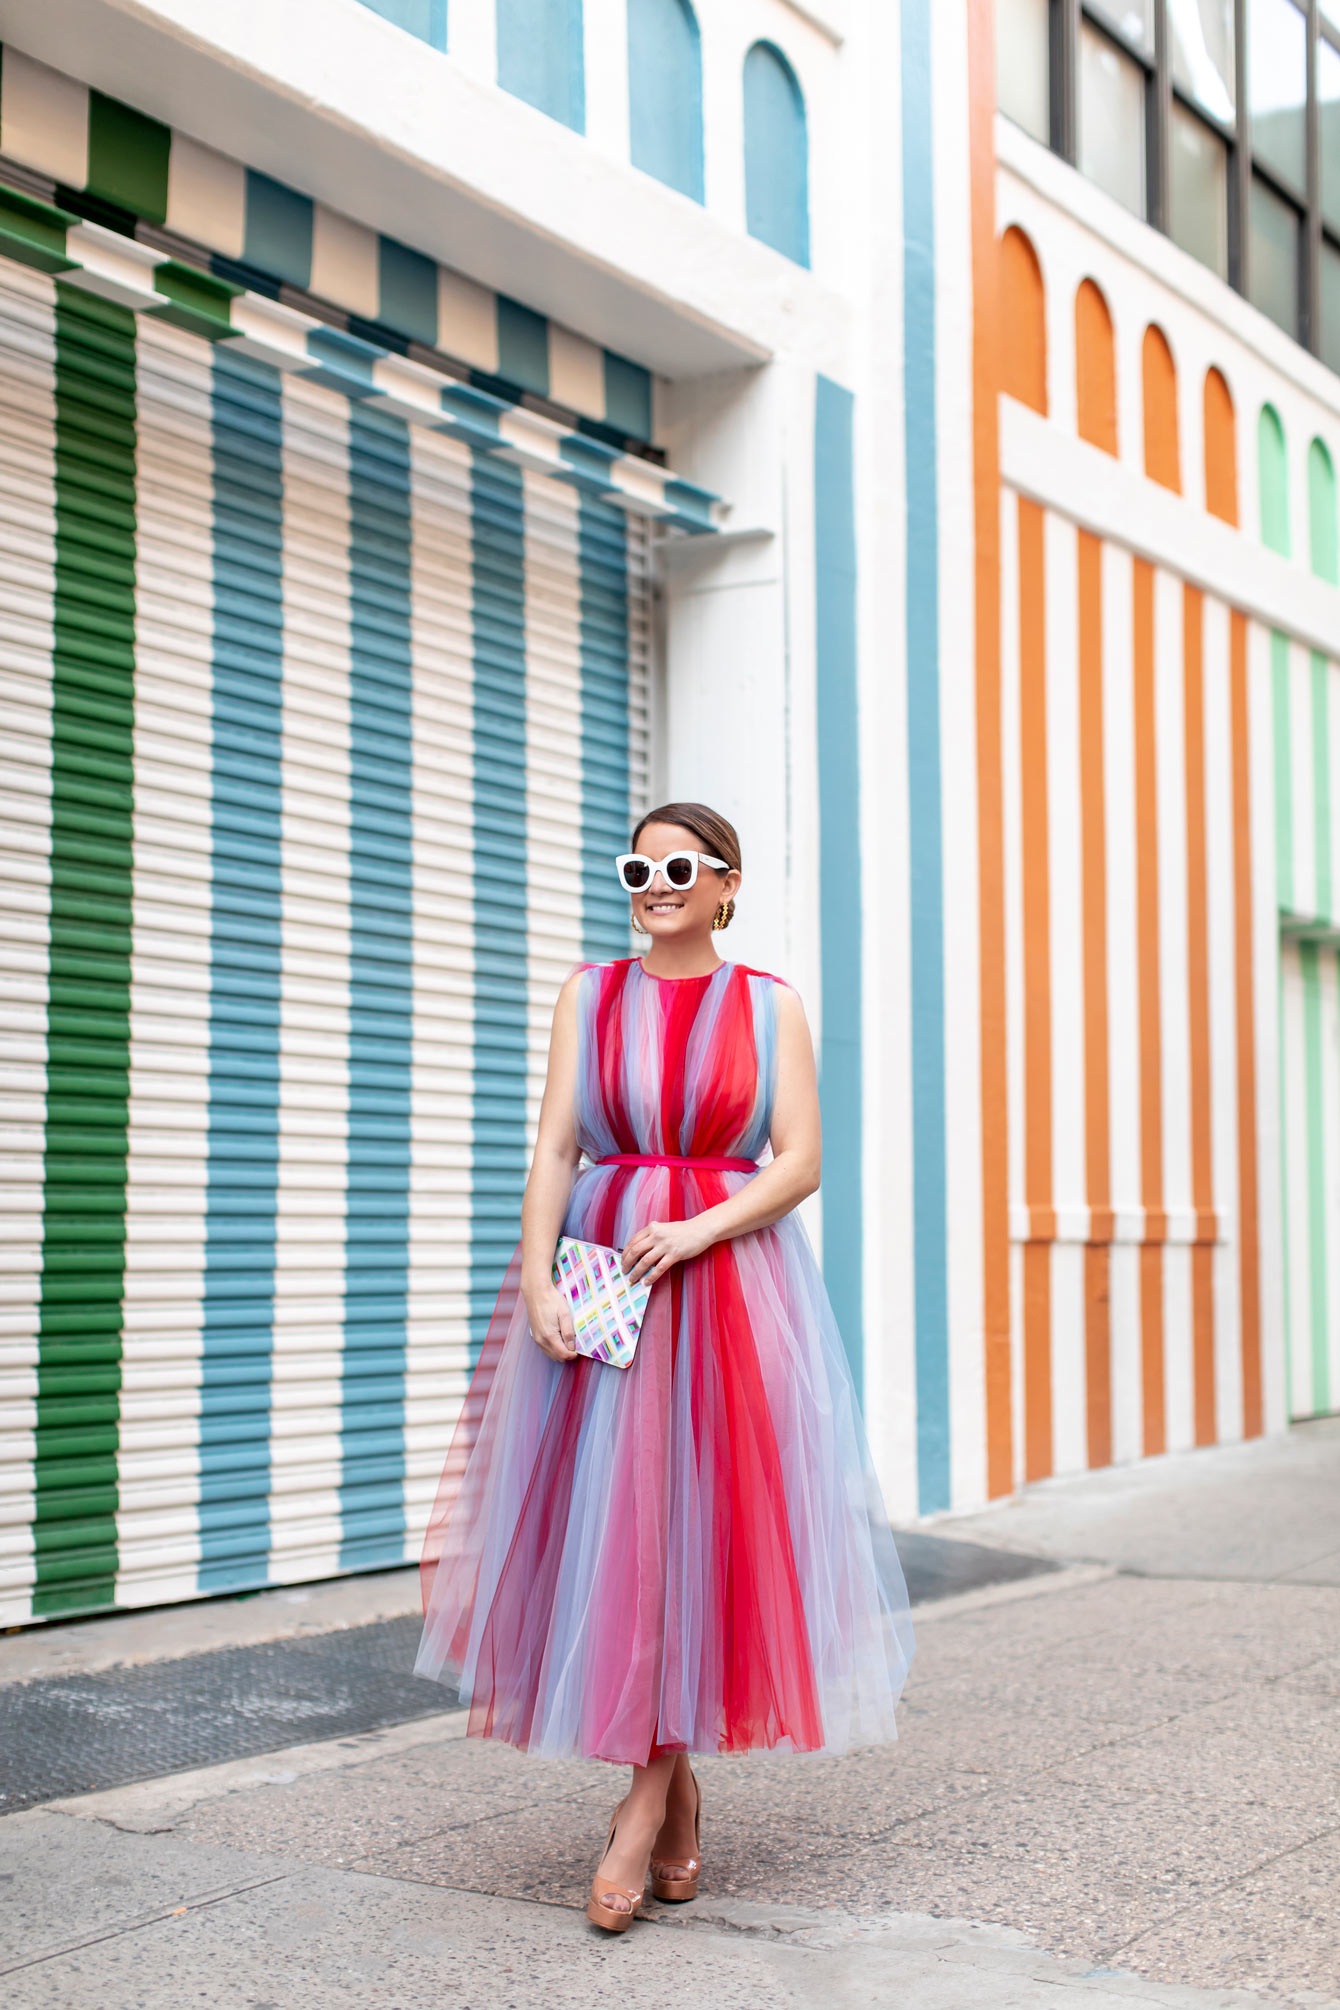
1198, 986
981, 26
1151, 1064
1037, 993
1253, 1419
1097, 1111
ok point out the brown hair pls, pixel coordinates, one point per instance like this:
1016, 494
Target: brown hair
710, 828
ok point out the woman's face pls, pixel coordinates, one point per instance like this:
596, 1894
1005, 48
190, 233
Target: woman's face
667, 911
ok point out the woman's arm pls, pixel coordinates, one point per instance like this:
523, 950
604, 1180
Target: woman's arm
550, 1184
790, 1175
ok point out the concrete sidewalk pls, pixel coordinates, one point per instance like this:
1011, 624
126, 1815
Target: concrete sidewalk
1119, 1780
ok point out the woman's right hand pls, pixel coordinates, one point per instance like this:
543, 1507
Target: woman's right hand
550, 1320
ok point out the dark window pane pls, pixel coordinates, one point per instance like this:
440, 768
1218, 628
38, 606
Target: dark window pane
1022, 64
1330, 306
1132, 18
1273, 256
1277, 87
1328, 91
1202, 53
1199, 163
1112, 119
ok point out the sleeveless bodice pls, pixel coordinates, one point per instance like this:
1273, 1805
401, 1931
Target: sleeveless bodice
683, 1065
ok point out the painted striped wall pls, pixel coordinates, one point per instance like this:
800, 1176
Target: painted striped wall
319, 730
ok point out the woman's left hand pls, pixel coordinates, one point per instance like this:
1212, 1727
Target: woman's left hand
655, 1248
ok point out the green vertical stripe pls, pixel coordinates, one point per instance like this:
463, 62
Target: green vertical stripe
1321, 784
88, 1032
1316, 1176
1286, 1119
1279, 686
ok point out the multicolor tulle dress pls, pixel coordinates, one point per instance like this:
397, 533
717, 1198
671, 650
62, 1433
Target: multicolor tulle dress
690, 1553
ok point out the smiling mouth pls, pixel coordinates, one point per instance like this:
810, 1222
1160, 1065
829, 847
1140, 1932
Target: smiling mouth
664, 906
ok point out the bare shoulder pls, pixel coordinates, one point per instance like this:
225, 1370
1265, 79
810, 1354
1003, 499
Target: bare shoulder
790, 1011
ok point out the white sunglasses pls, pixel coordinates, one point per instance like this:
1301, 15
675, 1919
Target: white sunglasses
678, 869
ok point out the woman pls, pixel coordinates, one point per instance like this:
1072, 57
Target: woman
691, 1554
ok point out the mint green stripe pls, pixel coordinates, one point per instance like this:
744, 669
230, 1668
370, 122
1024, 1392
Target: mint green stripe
1285, 1266
1279, 686
1321, 784
1316, 1177
88, 1013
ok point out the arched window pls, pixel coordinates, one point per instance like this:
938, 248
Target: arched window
1322, 513
1023, 321
1273, 480
1163, 453
776, 154
1221, 449
1095, 369
665, 93
540, 57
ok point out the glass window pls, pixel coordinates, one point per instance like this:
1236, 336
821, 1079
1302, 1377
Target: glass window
1112, 119
1202, 53
1273, 256
1023, 89
1328, 118
1132, 18
1277, 87
1199, 178
1330, 305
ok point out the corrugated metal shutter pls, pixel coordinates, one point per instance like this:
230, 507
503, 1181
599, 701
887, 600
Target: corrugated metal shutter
320, 730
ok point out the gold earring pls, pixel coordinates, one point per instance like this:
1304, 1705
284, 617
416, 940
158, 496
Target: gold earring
638, 929
721, 919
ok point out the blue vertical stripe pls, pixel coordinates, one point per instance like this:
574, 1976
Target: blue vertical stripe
242, 1153
930, 1253
602, 558
838, 733
381, 994
498, 763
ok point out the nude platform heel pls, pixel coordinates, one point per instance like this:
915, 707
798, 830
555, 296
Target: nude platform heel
678, 1882
598, 1910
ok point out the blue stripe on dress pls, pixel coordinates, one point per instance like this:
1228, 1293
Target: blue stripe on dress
929, 1202
602, 557
242, 1151
498, 768
381, 999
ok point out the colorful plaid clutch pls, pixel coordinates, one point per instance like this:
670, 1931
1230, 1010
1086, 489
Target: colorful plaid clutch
606, 1309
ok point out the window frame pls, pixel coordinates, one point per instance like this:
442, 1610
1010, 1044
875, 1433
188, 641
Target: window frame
1067, 17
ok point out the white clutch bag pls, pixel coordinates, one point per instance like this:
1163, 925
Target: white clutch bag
606, 1307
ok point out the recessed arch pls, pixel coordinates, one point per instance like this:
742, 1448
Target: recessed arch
1272, 463
1221, 448
1023, 321
541, 57
665, 93
776, 154
1321, 510
1163, 452
1095, 368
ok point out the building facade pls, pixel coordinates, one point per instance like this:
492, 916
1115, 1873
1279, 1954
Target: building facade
434, 429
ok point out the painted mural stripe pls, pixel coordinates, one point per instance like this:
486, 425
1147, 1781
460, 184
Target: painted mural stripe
1097, 1126
498, 783
1038, 1031
1198, 987
157, 1517
840, 879
237, 1292
1326, 1329
1320, 738
1151, 1077
1314, 1117
1224, 1252
88, 1035
606, 807
924, 784
381, 955
28, 561
996, 1322
1249, 1275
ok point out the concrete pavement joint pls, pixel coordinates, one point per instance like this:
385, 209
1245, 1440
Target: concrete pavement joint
145, 1919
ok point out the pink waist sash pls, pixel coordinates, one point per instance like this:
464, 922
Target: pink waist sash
669, 1159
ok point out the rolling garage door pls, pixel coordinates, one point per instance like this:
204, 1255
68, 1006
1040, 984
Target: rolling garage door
319, 730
